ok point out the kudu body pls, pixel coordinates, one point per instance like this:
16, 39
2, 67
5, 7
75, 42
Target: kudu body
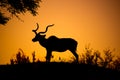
55, 44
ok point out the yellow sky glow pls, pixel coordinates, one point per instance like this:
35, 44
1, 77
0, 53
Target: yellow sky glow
88, 21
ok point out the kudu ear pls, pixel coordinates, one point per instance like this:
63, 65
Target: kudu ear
44, 35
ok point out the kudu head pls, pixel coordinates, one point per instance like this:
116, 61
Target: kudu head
40, 35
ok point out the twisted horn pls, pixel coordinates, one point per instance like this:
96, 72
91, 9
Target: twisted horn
46, 29
36, 28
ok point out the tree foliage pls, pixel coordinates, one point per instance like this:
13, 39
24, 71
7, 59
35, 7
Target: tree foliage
15, 7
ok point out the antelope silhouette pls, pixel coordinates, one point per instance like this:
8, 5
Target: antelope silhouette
55, 44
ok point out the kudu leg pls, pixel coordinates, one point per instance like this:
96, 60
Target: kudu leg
75, 54
48, 56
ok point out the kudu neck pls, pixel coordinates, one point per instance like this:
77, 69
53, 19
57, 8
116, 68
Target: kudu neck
42, 41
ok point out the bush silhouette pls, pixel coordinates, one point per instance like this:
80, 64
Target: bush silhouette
33, 57
89, 57
93, 57
21, 58
116, 63
107, 59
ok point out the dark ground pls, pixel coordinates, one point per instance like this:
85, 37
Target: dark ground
56, 71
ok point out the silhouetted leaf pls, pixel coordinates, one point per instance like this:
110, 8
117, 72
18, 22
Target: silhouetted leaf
15, 7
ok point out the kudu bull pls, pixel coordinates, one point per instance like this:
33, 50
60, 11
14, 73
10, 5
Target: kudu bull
55, 44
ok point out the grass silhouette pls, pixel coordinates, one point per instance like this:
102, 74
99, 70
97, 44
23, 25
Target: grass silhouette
91, 66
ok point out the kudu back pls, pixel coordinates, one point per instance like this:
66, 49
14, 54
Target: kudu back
55, 44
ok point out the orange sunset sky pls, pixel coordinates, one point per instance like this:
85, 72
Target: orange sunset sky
95, 22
